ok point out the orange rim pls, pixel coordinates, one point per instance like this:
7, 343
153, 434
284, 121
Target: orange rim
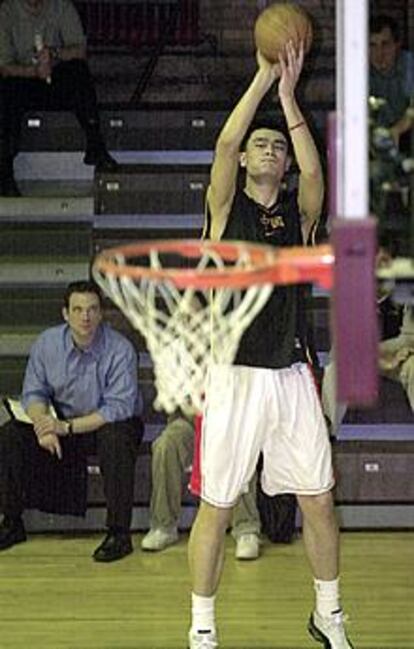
268, 264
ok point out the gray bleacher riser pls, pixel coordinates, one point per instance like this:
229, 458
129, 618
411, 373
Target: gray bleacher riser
24, 308
56, 207
11, 375
95, 520
149, 129
44, 254
374, 471
50, 274
155, 226
142, 487
45, 240
110, 237
152, 189
51, 131
68, 167
124, 130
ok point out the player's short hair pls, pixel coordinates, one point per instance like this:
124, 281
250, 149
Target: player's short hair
380, 22
83, 286
270, 125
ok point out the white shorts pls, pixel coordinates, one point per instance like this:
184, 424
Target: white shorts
251, 410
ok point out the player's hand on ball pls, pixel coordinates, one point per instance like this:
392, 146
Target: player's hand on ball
290, 66
271, 69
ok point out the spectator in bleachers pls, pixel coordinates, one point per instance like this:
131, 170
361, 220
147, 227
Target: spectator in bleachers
80, 395
395, 350
391, 77
396, 355
395, 361
43, 67
172, 455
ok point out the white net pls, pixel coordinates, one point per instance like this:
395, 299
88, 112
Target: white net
186, 330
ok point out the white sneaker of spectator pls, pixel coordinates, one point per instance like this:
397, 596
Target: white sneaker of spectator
247, 547
159, 538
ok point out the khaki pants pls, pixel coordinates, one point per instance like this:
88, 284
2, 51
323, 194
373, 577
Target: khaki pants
172, 455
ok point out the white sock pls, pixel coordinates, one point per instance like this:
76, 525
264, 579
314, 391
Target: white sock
327, 596
203, 613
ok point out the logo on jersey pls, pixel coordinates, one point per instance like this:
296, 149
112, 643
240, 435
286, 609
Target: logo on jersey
271, 222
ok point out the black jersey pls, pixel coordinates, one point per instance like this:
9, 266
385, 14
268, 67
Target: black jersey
275, 337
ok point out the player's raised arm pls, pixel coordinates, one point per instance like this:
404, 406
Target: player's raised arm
311, 185
226, 155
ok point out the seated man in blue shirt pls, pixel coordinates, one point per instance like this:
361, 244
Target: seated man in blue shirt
80, 393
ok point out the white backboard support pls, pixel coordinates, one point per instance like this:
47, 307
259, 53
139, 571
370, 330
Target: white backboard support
352, 108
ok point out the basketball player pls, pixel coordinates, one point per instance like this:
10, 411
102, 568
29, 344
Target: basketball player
267, 400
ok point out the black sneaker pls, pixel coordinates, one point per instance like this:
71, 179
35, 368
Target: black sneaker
116, 545
102, 160
11, 532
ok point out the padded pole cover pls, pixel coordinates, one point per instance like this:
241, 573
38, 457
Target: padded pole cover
354, 310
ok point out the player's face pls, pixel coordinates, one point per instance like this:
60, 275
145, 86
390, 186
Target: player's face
383, 50
266, 154
83, 316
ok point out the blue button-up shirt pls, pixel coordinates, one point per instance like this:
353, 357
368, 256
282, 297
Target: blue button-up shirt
102, 378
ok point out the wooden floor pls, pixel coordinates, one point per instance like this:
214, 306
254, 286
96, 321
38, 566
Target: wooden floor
52, 595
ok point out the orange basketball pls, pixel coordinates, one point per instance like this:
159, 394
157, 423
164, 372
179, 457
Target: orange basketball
279, 23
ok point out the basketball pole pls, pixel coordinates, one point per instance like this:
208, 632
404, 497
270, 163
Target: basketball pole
354, 316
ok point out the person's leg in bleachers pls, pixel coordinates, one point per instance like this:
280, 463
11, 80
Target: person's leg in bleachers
17, 96
172, 454
117, 447
14, 440
73, 88
246, 524
333, 411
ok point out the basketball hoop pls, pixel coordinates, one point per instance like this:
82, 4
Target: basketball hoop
192, 300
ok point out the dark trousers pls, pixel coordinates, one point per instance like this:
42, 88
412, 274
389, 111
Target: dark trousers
72, 88
32, 477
